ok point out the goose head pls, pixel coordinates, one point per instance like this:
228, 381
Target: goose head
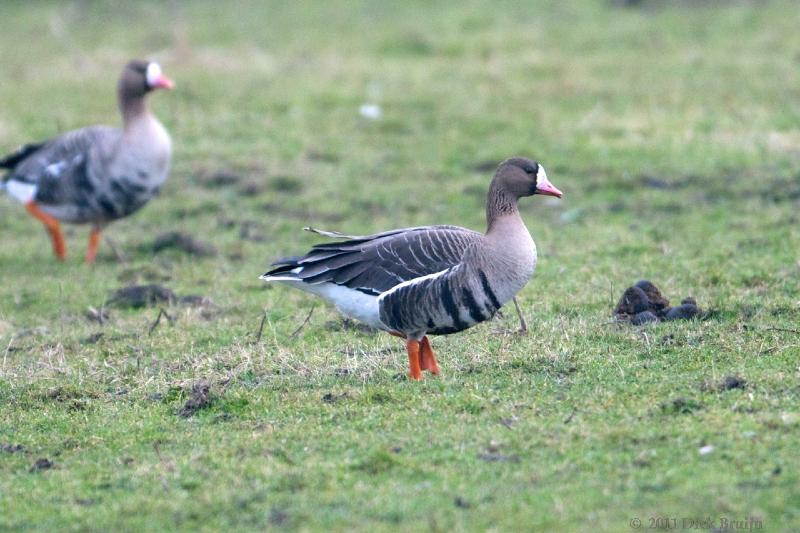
140, 77
520, 177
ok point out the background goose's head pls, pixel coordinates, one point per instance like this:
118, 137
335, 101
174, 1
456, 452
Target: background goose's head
524, 177
140, 77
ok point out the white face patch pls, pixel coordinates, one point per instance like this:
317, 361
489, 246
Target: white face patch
153, 74
541, 176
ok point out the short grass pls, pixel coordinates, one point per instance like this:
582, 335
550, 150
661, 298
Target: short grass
672, 127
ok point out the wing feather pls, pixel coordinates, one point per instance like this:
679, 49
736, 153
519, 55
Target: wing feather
375, 263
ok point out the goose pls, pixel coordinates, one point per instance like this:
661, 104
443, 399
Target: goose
97, 174
428, 280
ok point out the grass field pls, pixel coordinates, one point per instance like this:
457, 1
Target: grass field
672, 128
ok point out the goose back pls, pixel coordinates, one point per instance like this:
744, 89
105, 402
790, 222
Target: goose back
84, 175
373, 264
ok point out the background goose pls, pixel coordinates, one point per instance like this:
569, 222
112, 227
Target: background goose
99, 173
425, 280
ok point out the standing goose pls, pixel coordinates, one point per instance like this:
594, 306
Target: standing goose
432, 280
96, 174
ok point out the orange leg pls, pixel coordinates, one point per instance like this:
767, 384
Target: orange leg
412, 347
427, 358
94, 242
53, 228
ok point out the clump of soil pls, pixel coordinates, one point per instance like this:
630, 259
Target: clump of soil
11, 448
330, 397
184, 242
141, 296
729, 382
643, 303
200, 398
42, 464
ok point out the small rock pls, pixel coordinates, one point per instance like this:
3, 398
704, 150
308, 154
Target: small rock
643, 318
634, 300
682, 312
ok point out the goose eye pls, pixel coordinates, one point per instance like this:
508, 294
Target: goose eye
529, 169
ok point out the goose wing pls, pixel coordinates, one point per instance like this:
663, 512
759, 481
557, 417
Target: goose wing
374, 264
54, 171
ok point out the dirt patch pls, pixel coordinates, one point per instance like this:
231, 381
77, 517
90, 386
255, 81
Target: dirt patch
138, 296
680, 406
492, 454
733, 382
682, 312
176, 240
288, 184
643, 303
330, 397
498, 458
65, 394
94, 338
727, 383
7, 447
219, 179
199, 398
149, 273
196, 300
461, 503
43, 463
277, 517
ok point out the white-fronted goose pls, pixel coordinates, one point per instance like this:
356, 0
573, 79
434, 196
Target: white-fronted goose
96, 174
433, 280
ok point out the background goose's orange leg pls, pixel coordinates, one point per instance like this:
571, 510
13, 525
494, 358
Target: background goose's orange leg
427, 359
414, 371
53, 228
94, 242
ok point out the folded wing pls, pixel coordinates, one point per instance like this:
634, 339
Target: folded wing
373, 264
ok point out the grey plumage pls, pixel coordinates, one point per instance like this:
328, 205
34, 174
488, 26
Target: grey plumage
99, 173
434, 280
373, 264
73, 180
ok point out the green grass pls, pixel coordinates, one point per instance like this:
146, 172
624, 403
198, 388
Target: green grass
672, 128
